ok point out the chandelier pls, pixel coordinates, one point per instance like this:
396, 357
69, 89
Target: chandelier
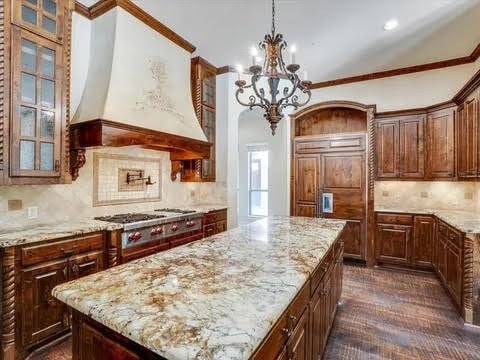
275, 75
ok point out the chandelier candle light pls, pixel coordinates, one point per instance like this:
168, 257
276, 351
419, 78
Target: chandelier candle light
274, 74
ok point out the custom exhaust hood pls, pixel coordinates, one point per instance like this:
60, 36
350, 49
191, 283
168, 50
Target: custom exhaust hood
137, 92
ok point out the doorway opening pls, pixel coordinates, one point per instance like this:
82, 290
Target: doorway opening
257, 180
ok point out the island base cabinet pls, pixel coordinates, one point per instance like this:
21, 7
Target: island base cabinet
301, 332
298, 345
92, 341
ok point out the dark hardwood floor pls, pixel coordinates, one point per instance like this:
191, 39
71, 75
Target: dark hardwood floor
385, 314
392, 314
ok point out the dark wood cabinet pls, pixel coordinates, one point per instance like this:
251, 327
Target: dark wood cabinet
323, 165
298, 345
307, 185
440, 149
34, 136
203, 84
400, 147
393, 243
404, 239
40, 317
412, 143
468, 137
388, 153
449, 260
423, 240
214, 222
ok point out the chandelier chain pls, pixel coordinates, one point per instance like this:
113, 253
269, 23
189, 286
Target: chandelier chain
273, 17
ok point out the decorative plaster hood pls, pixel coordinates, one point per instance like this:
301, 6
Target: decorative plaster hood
137, 91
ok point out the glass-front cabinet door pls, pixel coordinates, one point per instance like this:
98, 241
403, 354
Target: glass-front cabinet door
36, 105
43, 17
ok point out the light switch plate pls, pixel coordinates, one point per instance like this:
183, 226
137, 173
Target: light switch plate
32, 212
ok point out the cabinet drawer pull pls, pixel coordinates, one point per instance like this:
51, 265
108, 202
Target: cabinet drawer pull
286, 332
293, 318
68, 252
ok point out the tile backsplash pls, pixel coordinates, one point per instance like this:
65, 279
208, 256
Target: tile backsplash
65, 202
441, 195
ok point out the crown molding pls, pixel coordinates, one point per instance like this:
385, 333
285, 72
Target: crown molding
474, 56
102, 6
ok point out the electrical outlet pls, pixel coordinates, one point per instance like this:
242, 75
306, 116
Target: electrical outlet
468, 196
15, 205
32, 212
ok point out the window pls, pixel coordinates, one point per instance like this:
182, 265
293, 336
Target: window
257, 180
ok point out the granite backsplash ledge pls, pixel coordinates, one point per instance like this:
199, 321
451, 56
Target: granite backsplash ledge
75, 201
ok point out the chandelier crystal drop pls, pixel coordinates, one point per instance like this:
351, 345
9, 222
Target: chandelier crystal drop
273, 75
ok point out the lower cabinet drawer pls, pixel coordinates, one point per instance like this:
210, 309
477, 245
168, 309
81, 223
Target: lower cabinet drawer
185, 240
61, 249
209, 230
320, 271
395, 219
140, 251
214, 216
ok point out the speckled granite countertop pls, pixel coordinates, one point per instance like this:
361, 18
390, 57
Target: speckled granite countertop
21, 235
35, 233
216, 298
466, 221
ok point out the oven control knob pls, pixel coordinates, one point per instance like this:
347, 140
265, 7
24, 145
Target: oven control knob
131, 237
153, 232
159, 230
190, 223
174, 227
138, 235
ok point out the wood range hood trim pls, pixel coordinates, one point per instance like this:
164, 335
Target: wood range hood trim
107, 133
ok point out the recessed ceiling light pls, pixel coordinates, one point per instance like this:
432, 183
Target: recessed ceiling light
390, 24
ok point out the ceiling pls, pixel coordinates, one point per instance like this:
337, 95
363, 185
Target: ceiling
334, 38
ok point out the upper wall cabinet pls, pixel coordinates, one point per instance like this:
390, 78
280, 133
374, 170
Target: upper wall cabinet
42, 17
468, 125
33, 143
440, 144
420, 146
203, 77
400, 147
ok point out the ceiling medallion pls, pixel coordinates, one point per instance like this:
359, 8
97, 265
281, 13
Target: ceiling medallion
276, 75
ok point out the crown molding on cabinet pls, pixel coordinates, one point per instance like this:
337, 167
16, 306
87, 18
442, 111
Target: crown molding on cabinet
470, 86
102, 6
417, 111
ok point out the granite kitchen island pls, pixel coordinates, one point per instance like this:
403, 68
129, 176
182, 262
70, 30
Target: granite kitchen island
257, 291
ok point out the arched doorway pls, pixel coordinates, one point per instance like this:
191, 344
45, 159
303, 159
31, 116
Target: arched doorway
332, 170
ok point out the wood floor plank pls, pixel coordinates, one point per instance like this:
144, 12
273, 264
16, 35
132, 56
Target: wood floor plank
390, 314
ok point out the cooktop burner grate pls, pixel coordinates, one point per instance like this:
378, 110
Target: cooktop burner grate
180, 211
128, 218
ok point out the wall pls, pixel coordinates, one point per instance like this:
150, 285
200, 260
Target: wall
66, 202
441, 195
410, 91
254, 129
